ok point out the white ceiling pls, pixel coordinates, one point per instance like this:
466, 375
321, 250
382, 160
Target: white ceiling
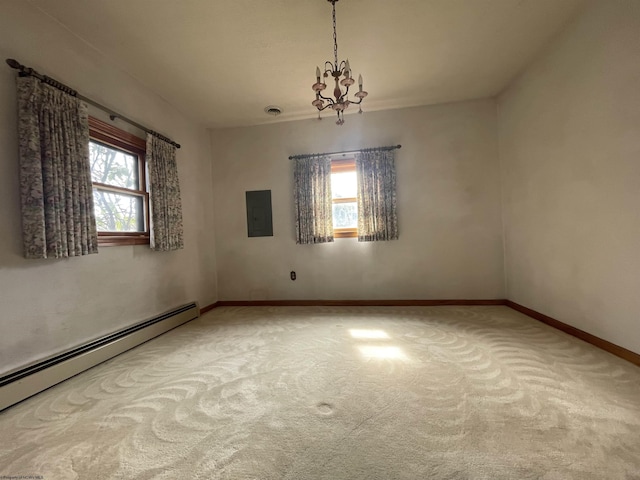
221, 62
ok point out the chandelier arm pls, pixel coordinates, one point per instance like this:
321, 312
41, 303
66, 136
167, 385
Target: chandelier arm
329, 99
323, 108
330, 69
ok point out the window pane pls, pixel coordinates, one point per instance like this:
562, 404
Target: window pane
345, 215
118, 212
344, 185
113, 167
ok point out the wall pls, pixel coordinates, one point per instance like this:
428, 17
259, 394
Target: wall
50, 305
450, 242
569, 131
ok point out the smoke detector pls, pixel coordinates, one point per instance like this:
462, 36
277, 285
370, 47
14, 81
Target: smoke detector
272, 110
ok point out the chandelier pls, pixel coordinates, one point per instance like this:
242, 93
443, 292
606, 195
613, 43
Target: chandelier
340, 101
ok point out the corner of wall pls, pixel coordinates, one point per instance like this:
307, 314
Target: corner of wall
502, 181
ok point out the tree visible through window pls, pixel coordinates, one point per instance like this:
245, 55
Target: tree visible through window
344, 185
119, 186
115, 211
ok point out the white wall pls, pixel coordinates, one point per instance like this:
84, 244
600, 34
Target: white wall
49, 305
450, 242
569, 132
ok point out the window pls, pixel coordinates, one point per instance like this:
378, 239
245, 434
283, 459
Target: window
118, 174
344, 187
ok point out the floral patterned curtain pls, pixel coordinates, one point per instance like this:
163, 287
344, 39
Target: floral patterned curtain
55, 178
164, 195
377, 218
313, 207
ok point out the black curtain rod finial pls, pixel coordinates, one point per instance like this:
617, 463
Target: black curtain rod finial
13, 63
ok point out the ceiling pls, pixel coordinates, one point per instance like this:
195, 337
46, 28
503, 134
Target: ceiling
222, 62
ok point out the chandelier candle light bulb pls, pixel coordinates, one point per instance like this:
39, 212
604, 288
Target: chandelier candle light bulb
340, 101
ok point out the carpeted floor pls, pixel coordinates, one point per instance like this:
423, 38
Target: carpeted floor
332, 393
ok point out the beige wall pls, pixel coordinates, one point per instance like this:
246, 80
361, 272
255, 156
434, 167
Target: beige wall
49, 305
450, 242
569, 132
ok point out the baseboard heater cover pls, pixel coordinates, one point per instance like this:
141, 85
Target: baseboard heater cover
25, 382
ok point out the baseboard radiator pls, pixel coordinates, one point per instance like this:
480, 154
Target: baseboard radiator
25, 382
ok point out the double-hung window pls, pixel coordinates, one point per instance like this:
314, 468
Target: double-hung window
120, 195
344, 187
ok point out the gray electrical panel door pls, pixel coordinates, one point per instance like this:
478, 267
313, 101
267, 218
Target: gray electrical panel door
259, 218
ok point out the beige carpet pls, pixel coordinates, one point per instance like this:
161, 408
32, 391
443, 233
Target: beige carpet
374, 393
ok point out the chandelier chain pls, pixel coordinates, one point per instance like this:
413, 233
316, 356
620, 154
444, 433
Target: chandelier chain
335, 36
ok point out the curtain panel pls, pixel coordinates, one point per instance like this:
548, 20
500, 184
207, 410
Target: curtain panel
164, 196
312, 196
377, 217
58, 219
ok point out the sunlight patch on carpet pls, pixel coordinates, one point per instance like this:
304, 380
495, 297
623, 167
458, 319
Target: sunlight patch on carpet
368, 334
383, 352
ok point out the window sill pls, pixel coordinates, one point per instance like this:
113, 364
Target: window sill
111, 240
345, 233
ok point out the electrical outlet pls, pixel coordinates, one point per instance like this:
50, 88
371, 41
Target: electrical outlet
293, 275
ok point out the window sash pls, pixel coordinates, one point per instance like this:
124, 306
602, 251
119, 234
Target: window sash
144, 196
139, 169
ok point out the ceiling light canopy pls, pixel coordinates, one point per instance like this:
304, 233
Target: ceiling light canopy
340, 100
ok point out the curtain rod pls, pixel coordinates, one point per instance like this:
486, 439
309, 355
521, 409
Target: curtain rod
375, 149
26, 71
